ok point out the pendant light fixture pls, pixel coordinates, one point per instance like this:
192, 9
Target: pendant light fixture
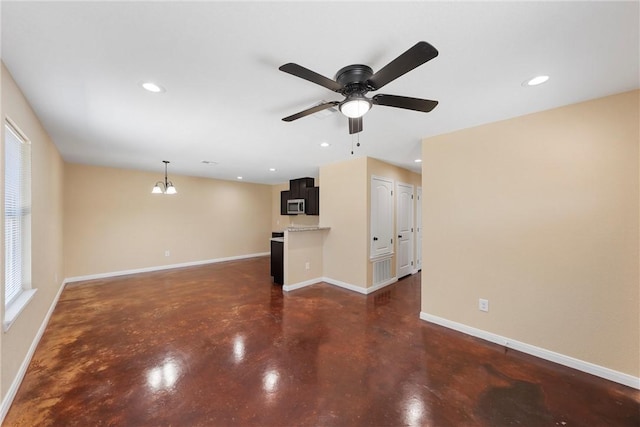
165, 187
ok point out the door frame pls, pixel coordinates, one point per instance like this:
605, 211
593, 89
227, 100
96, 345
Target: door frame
410, 231
417, 221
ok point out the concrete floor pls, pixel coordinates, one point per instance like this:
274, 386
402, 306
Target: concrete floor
219, 345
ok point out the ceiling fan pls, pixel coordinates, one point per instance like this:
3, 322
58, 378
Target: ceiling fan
355, 81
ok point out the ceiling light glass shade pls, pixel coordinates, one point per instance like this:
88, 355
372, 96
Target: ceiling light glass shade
171, 189
165, 187
355, 106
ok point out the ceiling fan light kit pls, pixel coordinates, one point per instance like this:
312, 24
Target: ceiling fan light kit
355, 81
355, 106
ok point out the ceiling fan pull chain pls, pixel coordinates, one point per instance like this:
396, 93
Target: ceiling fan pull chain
356, 137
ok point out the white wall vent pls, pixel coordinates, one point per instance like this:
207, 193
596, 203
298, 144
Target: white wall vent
381, 271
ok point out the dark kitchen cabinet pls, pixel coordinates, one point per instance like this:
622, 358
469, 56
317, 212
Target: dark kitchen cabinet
301, 188
312, 204
298, 187
284, 196
277, 261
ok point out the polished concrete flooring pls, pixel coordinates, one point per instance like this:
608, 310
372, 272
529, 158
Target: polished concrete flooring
219, 345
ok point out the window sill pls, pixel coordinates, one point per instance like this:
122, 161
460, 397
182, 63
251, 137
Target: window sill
14, 309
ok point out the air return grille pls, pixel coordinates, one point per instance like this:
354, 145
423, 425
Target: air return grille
381, 271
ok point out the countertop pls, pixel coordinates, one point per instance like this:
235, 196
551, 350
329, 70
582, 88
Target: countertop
310, 228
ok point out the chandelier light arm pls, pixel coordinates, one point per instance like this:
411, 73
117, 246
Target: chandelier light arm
165, 187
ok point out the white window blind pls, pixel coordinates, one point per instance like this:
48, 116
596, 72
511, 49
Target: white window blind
17, 214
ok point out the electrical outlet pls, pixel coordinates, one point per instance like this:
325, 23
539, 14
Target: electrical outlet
307, 265
483, 304
167, 253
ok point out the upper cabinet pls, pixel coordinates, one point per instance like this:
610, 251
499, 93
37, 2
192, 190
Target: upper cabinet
298, 187
284, 196
312, 201
301, 188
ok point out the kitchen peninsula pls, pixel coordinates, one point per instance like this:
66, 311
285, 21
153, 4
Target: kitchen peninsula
302, 249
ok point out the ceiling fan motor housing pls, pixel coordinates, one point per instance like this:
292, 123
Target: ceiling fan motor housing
353, 79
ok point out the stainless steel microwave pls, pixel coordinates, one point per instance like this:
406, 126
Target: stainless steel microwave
295, 206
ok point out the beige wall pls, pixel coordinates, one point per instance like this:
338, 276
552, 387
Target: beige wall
398, 174
302, 250
539, 214
113, 223
343, 207
46, 229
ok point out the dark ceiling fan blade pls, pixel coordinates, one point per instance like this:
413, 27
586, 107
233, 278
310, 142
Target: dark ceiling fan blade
420, 53
417, 104
311, 110
355, 125
312, 76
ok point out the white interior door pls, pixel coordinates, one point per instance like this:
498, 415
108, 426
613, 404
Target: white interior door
404, 229
381, 216
418, 232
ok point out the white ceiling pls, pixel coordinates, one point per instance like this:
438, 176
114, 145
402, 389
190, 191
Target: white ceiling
80, 64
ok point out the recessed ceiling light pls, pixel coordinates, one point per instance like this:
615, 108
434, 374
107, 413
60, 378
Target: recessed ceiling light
152, 87
418, 160
239, 177
272, 169
324, 144
535, 81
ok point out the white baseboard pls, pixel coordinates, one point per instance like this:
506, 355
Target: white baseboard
160, 267
345, 285
299, 285
381, 285
580, 365
15, 384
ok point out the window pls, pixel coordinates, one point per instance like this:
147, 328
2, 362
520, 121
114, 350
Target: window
17, 223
